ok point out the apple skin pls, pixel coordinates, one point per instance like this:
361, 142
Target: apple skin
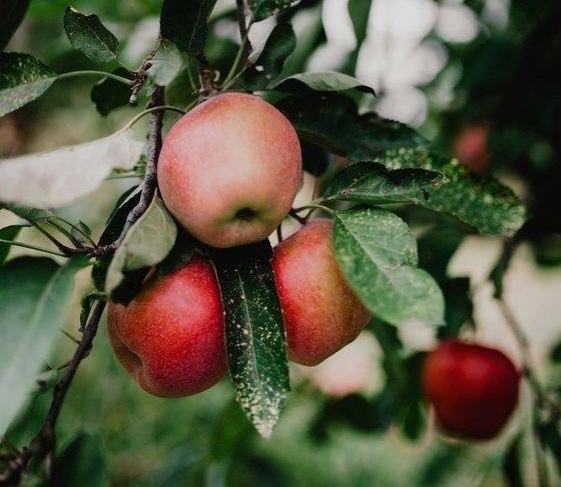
170, 337
229, 169
321, 312
474, 389
470, 147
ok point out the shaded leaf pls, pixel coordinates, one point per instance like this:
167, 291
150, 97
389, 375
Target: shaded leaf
359, 11
22, 80
108, 94
81, 462
254, 332
7, 233
186, 23
87, 34
322, 81
35, 295
265, 8
146, 244
378, 256
166, 64
369, 183
512, 464
179, 255
269, 64
11, 15
55, 178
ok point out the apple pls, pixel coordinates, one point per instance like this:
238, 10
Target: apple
170, 337
321, 312
473, 388
229, 169
470, 147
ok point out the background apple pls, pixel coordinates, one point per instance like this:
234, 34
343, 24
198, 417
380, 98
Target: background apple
229, 170
321, 313
170, 338
474, 389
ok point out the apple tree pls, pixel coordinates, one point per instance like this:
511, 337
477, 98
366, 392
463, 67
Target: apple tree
226, 123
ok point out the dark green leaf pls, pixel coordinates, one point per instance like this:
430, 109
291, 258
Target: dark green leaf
81, 462
254, 333
482, 202
166, 64
35, 296
322, 81
332, 121
7, 233
378, 256
22, 80
109, 94
186, 23
373, 184
359, 11
87, 34
512, 468
11, 15
269, 64
265, 8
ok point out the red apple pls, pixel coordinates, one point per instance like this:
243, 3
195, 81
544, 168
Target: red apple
229, 169
470, 147
170, 337
321, 312
474, 389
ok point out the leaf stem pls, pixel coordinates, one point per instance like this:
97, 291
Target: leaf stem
149, 111
31, 247
103, 74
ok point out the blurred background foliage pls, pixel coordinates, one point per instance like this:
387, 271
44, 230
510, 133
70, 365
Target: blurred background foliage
486, 68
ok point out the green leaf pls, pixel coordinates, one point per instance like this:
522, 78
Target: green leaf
35, 295
332, 121
81, 462
56, 178
254, 333
481, 202
359, 11
87, 34
373, 184
109, 94
11, 15
22, 80
322, 81
378, 256
263, 9
166, 64
7, 233
147, 243
186, 23
269, 64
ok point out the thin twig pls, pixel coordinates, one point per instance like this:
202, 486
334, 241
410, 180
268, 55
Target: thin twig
243, 28
206, 75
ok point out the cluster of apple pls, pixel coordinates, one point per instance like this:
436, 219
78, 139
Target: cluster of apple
228, 172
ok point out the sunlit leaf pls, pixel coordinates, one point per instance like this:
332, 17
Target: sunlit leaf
166, 63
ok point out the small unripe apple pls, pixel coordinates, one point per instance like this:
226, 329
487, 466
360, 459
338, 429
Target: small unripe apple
170, 337
321, 312
473, 388
229, 169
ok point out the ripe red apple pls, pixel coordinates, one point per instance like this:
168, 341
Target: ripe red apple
170, 337
229, 169
474, 389
321, 312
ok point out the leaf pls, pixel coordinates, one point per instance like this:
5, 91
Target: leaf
322, 81
265, 8
87, 34
359, 11
11, 15
378, 256
254, 333
511, 467
481, 202
269, 64
369, 183
166, 64
186, 23
22, 80
7, 233
147, 243
81, 462
109, 94
332, 121
35, 295
56, 178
